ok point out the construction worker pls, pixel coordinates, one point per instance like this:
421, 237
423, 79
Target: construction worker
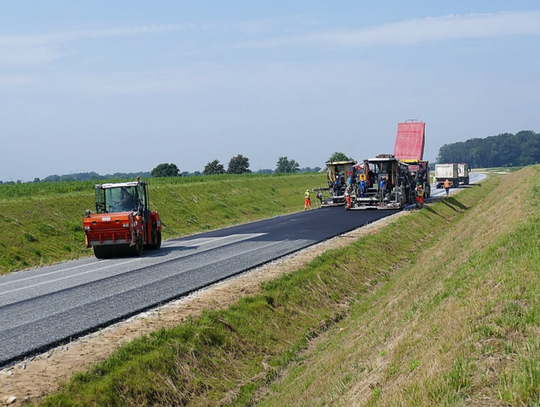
382, 188
307, 200
127, 202
349, 180
362, 189
419, 196
447, 186
348, 198
336, 185
319, 197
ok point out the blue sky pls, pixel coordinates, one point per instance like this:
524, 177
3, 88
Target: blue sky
122, 86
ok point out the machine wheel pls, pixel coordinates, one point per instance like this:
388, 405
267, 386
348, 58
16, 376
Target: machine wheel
101, 252
156, 238
157, 242
108, 251
138, 248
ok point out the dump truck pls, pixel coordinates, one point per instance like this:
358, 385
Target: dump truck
339, 175
122, 223
445, 172
410, 140
463, 173
385, 183
420, 173
409, 148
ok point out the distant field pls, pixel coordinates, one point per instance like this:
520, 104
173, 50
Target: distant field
497, 170
42, 222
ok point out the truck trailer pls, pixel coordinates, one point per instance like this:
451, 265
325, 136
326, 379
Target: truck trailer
410, 140
463, 173
445, 172
409, 149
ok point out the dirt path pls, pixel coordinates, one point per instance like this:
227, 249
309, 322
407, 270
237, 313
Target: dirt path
43, 374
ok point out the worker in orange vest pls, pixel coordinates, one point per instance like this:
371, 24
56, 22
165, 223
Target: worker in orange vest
348, 198
419, 196
447, 186
307, 200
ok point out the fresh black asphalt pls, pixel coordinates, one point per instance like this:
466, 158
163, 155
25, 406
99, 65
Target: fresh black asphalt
42, 308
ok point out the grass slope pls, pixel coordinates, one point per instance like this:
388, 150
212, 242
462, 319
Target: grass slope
439, 308
458, 327
42, 223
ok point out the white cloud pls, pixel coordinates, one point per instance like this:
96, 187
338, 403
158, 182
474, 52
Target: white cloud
122, 31
217, 78
431, 29
28, 55
40, 39
143, 82
39, 49
17, 80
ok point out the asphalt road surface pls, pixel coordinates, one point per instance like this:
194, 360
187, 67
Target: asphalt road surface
42, 308
474, 177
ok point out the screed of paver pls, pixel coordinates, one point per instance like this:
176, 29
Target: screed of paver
41, 375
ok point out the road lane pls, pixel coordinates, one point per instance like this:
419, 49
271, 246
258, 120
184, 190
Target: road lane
41, 308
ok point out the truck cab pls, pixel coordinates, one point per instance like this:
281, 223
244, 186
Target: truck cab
420, 174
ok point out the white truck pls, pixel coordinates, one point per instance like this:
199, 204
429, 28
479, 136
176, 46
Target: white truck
463, 173
445, 172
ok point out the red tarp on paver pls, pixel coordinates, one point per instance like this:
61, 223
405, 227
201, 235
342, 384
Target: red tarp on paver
410, 141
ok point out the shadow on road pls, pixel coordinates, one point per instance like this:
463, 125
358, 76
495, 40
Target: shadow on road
164, 250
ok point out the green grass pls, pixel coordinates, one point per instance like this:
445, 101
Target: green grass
458, 327
440, 308
41, 223
498, 169
254, 351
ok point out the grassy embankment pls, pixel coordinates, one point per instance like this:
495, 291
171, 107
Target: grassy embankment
439, 308
41, 223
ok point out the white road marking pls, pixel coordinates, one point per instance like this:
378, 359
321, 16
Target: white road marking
61, 271
185, 243
61, 278
207, 240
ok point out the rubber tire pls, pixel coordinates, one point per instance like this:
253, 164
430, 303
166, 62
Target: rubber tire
157, 243
138, 248
101, 252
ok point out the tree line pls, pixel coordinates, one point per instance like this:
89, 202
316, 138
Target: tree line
237, 165
503, 150
240, 165
85, 176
